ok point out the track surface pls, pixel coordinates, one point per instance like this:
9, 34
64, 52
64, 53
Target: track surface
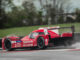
62, 54
57, 53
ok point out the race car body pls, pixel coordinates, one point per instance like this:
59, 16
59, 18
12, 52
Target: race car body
41, 38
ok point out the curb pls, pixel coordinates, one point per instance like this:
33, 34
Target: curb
74, 50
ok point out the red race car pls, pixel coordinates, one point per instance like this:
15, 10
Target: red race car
41, 38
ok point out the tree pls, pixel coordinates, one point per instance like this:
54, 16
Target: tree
55, 7
39, 18
30, 12
77, 11
16, 17
3, 17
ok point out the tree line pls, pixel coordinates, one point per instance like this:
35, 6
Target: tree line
51, 12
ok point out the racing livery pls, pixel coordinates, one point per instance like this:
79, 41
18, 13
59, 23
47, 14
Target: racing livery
40, 38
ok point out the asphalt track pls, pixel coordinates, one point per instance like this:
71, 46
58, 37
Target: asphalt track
57, 53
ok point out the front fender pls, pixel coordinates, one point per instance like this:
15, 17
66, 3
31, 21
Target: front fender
12, 39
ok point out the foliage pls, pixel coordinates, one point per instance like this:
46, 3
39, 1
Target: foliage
61, 20
78, 14
4, 4
30, 12
28, 15
16, 17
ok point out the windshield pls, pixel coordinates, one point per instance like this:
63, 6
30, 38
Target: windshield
33, 35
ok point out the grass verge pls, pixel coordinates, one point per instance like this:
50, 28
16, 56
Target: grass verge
22, 31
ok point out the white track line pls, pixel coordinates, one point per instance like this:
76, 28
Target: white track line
63, 50
57, 50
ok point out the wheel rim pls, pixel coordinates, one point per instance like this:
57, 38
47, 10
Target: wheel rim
7, 44
40, 43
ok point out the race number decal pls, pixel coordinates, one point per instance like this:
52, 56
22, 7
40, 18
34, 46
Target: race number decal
45, 31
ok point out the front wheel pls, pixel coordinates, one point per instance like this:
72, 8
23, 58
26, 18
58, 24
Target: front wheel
41, 43
7, 44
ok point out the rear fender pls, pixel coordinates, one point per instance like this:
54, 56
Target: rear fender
66, 34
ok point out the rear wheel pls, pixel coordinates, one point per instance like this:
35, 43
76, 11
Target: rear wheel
8, 45
41, 43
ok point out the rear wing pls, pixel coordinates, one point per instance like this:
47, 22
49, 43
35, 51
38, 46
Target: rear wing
72, 29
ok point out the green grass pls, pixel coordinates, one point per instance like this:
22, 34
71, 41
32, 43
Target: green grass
22, 31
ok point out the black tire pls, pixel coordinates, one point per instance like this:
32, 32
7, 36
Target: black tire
41, 43
7, 44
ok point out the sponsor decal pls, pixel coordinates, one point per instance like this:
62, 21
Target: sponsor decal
45, 31
46, 40
18, 45
27, 45
18, 41
27, 41
13, 41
